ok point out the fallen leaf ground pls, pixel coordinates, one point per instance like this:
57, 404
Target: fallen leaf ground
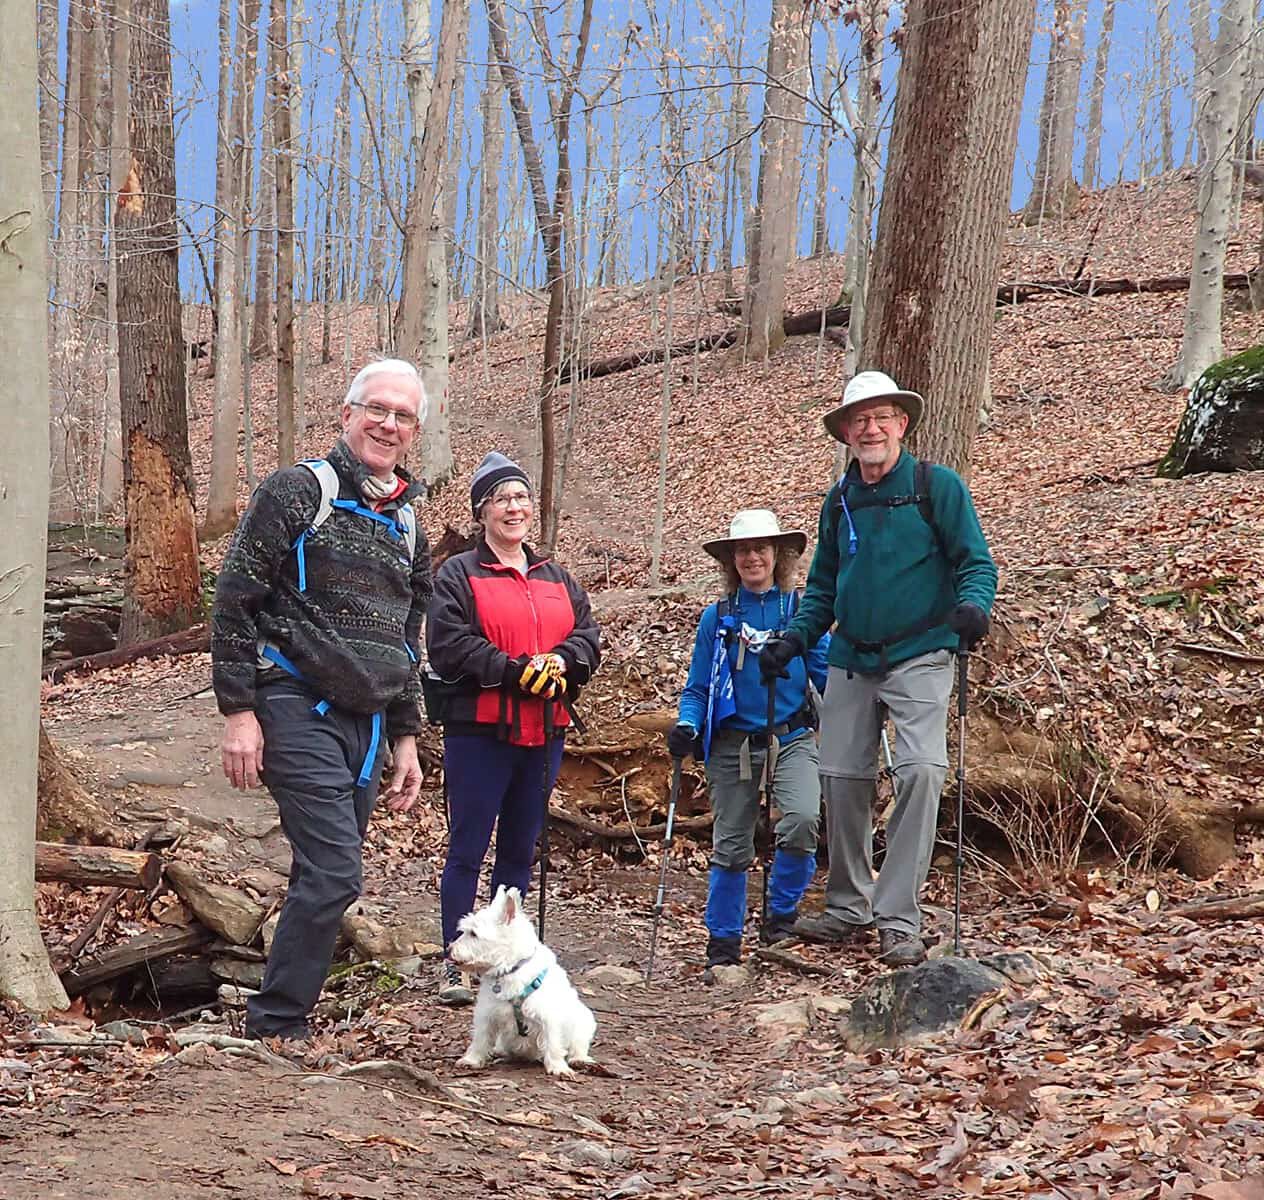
1135, 1070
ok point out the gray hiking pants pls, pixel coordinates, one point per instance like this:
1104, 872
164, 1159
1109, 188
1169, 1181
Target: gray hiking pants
915, 694
796, 793
310, 765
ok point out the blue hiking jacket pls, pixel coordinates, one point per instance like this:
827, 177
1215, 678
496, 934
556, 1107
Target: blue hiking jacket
760, 613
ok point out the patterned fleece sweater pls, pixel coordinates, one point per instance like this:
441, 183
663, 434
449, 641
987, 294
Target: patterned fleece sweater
353, 630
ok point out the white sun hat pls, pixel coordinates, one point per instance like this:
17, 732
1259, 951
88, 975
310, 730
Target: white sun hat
873, 385
755, 525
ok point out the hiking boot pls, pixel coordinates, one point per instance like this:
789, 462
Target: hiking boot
779, 927
830, 930
455, 987
721, 952
899, 949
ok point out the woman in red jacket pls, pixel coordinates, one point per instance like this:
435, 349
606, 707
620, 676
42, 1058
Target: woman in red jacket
509, 632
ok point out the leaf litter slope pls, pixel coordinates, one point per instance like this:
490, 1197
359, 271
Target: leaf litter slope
1135, 1070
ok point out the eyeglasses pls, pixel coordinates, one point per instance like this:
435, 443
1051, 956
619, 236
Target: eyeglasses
522, 499
377, 413
882, 418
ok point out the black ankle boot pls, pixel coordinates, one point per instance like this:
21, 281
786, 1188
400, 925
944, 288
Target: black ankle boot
724, 951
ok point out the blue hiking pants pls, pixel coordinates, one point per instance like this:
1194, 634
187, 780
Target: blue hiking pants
491, 782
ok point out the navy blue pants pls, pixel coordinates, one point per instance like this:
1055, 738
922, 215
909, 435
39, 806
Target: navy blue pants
310, 765
491, 783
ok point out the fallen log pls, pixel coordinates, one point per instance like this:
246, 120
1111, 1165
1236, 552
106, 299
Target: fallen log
624, 832
96, 866
106, 906
1233, 908
799, 324
194, 640
144, 948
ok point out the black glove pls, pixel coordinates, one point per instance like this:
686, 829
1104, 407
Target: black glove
778, 652
970, 623
681, 740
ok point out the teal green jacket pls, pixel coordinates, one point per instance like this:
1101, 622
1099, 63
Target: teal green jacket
903, 577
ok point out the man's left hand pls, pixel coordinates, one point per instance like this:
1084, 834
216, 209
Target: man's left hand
405, 783
970, 623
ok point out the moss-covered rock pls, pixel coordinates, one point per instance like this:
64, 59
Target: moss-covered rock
1223, 425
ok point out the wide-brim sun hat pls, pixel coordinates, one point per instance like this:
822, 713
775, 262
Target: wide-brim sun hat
755, 525
873, 385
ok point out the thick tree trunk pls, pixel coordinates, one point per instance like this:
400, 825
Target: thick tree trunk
221, 501
162, 584
1163, 32
1054, 192
25, 975
265, 223
65, 809
1201, 342
452, 175
1097, 95
942, 220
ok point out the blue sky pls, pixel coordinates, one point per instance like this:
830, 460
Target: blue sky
1130, 79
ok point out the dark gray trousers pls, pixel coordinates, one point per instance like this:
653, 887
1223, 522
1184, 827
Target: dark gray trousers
310, 765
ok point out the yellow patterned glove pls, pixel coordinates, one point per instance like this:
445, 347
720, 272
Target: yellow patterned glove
544, 675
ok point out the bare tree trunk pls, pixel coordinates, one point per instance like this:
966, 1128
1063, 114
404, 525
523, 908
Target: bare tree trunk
1163, 31
283, 171
1097, 95
1053, 191
779, 179
220, 515
25, 974
664, 441
549, 220
110, 487
421, 330
265, 226
298, 221
48, 47
940, 228
162, 586
452, 175
1200, 36
485, 301
1201, 343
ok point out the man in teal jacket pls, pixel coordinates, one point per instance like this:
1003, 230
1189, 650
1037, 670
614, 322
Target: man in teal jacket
903, 570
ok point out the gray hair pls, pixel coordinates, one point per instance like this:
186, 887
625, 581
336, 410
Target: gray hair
388, 366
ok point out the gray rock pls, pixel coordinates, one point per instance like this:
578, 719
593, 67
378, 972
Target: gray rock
1017, 966
787, 1019
125, 1031
584, 1153
633, 1185
228, 969
912, 1004
1223, 425
733, 975
610, 975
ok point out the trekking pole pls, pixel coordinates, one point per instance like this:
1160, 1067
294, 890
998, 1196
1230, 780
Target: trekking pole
963, 680
677, 764
770, 756
544, 830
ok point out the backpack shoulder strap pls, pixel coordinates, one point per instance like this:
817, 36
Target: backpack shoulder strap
408, 522
327, 477
921, 488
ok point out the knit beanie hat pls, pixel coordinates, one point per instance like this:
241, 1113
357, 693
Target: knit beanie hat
494, 470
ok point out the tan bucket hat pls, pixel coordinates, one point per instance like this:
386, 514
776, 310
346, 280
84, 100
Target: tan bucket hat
755, 525
874, 385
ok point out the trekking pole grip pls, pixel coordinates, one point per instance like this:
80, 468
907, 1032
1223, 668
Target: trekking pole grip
963, 680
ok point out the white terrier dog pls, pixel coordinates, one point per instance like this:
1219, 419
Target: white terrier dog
526, 1007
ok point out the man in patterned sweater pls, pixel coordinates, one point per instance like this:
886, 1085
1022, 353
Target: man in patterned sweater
314, 648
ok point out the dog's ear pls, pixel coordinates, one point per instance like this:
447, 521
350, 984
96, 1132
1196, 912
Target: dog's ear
512, 900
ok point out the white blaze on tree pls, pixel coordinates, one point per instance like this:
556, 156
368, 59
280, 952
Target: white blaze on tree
1201, 343
25, 975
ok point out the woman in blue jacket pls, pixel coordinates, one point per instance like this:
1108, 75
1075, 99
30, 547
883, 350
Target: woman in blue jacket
724, 720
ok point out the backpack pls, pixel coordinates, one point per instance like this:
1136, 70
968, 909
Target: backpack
327, 477
921, 497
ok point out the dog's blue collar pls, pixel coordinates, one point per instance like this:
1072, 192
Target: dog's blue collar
519, 1020
522, 962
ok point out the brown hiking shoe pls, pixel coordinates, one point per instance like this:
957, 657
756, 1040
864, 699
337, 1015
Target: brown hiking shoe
899, 949
830, 930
